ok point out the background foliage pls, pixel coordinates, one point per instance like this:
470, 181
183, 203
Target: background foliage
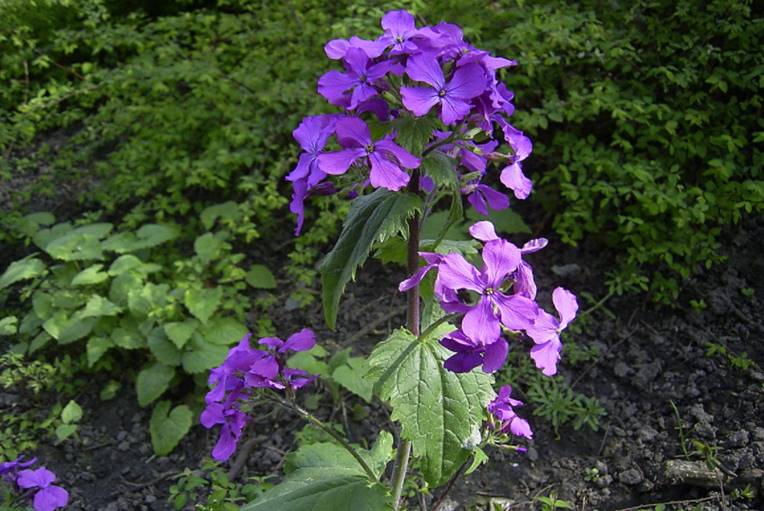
644, 114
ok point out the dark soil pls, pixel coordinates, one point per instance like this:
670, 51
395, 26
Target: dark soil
649, 358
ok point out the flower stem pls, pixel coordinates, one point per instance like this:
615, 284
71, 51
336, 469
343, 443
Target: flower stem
328, 430
412, 322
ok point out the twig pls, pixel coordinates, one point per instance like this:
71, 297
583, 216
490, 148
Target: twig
450, 485
668, 503
161, 477
241, 458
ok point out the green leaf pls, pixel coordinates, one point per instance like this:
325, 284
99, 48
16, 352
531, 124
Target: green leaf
24, 269
128, 337
152, 382
109, 391
96, 348
372, 219
148, 236
260, 277
163, 349
227, 211
128, 262
225, 331
9, 325
478, 458
123, 285
202, 303
148, 298
66, 329
64, 431
203, 355
78, 244
39, 342
506, 221
180, 332
442, 169
167, 427
439, 411
310, 361
413, 133
72, 412
90, 275
207, 247
323, 477
351, 376
98, 306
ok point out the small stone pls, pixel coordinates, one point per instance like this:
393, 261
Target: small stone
738, 439
758, 434
630, 477
601, 466
532, 453
566, 270
123, 446
647, 433
121, 436
700, 414
604, 481
620, 369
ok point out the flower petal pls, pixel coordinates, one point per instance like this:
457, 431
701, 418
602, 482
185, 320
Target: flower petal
513, 178
483, 231
419, 100
50, 498
547, 355
303, 340
338, 162
468, 82
453, 109
517, 312
463, 362
424, 67
495, 355
566, 304
456, 273
399, 22
353, 132
405, 158
386, 174
481, 323
333, 85
500, 258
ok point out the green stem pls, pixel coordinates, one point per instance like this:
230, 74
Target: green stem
412, 321
430, 329
329, 431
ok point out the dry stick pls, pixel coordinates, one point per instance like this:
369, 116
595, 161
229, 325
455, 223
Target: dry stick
668, 503
241, 458
412, 321
450, 485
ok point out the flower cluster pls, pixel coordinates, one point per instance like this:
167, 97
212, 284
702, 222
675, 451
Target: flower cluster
411, 72
39, 482
502, 409
244, 370
500, 296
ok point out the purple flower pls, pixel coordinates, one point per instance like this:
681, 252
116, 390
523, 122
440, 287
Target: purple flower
503, 409
360, 79
483, 197
512, 176
48, 496
385, 157
470, 353
9, 469
233, 421
338, 48
546, 329
453, 96
400, 29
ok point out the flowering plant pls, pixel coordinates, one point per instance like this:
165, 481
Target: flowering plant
36, 484
425, 118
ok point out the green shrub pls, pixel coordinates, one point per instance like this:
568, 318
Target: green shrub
130, 294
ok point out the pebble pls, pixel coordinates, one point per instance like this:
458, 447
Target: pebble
124, 446
738, 439
620, 369
630, 477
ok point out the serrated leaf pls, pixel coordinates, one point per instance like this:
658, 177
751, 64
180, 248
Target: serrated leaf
78, 244
372, 219
39, 342
152, 382
224, 331
310, 361
439, 411
148, 236
203, 303
122, 286
324, 477
413, 133
71, 413
148, 298
128, 262
90, 275
66, 329
24, 269
64, 431
98, 306
109, 391
260, 277
96, 348
506, 221
167, 427
127, 338
180, 332
442, 169
9, 325
351, 376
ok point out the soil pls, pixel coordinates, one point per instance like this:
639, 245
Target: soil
650, 357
